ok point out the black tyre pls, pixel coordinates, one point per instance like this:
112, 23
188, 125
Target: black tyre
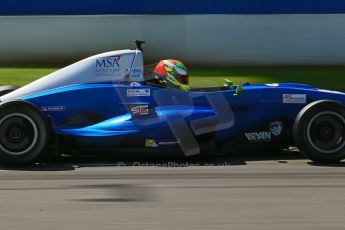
5, 89
24, 133
319, 131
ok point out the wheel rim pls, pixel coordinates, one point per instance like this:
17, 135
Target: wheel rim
325, 132
18, 134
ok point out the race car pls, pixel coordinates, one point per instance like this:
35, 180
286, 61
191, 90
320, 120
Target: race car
107, 103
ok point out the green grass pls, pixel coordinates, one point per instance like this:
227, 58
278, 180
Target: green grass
325, 77
22, 76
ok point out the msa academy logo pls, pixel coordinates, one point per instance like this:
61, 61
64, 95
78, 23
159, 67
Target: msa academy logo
138, 92
294, 98
108, 65
140, 110
276, 129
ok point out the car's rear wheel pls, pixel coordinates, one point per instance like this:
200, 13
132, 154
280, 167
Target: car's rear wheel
24, 133
319, 131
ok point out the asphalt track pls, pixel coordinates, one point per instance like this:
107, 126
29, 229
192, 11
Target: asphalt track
276, 191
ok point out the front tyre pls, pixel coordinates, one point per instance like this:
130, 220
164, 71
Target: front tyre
5, 89
24, 133
319, 131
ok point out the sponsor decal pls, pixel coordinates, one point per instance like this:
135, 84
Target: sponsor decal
134, 83
149, 143
140, 110
136, 75
294, 98
276, 129
258, 136
138, 92
168, 142
108, 65
53, 108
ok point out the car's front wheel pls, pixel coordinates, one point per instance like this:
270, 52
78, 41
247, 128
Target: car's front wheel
319, 131
24, 133
5, 89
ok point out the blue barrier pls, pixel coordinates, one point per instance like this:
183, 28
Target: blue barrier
95, 7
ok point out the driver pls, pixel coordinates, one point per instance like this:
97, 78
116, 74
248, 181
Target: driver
172, 74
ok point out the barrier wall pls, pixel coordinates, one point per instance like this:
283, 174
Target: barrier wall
246, 32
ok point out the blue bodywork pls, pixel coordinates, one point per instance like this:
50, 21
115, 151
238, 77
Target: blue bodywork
112, 105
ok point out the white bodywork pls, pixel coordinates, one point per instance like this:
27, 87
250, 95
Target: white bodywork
123, 65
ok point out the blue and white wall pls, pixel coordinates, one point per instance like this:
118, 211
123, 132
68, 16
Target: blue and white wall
212, 32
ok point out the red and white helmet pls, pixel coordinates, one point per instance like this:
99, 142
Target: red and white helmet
172, 68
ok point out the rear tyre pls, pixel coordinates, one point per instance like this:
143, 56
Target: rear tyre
24, 133
319, 131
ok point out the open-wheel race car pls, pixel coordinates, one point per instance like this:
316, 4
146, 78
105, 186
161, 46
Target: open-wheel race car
107, 102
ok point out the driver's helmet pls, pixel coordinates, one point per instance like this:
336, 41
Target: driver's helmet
166, 69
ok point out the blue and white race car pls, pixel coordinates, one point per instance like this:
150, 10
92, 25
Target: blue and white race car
107, 103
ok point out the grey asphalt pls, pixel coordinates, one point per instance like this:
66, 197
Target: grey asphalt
286, 192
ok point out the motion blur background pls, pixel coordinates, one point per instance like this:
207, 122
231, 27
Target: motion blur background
256, 41
207, 32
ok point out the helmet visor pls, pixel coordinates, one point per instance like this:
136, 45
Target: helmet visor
184, 79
